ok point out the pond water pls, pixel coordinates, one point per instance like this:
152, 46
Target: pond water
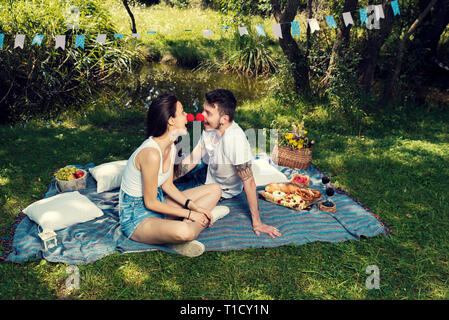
190, 86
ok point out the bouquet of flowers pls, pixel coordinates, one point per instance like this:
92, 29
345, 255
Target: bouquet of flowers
297, 138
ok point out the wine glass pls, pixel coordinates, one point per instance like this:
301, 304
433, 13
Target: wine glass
329, 193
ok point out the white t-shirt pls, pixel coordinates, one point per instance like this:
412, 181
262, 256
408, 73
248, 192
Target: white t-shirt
222, 154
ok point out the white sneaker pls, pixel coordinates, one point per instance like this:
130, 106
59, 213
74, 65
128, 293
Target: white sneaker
192, 248
219, 212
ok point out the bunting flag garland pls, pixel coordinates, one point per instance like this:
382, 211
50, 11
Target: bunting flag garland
243, 31
395, 7
370, 16
19, 41
363, 16
347, 18
295, 29
373, 20
207, 33
379, 12
277, 32
260, 31
60, 41
101, 38
79, 41
37, 39
314, 26
331, 22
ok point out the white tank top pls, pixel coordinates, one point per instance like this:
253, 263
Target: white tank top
132, 177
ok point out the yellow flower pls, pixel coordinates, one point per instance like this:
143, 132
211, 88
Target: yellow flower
291, 141
289, 136
305, 131
300, 146
295, 143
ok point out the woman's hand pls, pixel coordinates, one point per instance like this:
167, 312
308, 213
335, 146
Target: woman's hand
204, 211
200, 218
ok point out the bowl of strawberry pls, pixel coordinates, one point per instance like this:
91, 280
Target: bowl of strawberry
300, 180
70, 178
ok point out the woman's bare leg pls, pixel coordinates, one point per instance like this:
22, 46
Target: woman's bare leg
159, 231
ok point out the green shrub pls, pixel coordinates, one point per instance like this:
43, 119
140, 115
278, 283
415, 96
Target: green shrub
40, 81
249, 55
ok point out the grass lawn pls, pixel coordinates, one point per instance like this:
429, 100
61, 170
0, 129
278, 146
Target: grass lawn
396, 167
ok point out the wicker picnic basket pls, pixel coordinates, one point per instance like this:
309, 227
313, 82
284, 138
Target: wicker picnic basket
299, 159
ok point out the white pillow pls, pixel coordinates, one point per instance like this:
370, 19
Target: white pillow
63, 210
264, 173
108, 175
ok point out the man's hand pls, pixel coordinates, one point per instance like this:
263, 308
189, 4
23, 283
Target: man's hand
264, 228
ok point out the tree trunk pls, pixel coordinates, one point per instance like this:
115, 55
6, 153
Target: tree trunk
376, 39
342, 38
428, 35
297, 58
389, 87
133, 22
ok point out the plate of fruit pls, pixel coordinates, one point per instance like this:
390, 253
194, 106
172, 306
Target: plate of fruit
70, 178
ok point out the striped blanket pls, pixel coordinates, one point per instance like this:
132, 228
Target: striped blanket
90, 241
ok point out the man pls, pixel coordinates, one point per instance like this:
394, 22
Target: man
228, 157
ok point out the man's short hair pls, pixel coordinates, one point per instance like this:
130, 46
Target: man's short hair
225, 101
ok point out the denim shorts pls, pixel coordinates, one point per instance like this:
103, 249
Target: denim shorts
194, 178
132, 211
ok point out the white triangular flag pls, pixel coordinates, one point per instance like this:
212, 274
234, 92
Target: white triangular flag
207, 33
19, 41
101, 38
277, 31
60, 42
379, 12
314, 26
371, 21
136, 35
347, 18
243, 30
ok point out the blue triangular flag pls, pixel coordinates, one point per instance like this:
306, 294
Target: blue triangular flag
295, 29
118, 35
395, 7
331, 22
363, 16
260, 31
154, 32
37, 39
79, 41
2, 36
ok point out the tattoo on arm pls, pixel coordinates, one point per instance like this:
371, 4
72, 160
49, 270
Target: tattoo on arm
244, 171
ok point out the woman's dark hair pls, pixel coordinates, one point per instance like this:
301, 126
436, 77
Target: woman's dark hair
160, 110
225, 101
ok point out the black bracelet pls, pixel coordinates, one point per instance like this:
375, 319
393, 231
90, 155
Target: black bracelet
186, 204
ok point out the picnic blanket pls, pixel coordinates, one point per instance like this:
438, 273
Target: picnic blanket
92, 240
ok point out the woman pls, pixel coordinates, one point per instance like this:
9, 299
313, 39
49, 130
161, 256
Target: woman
145, 214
